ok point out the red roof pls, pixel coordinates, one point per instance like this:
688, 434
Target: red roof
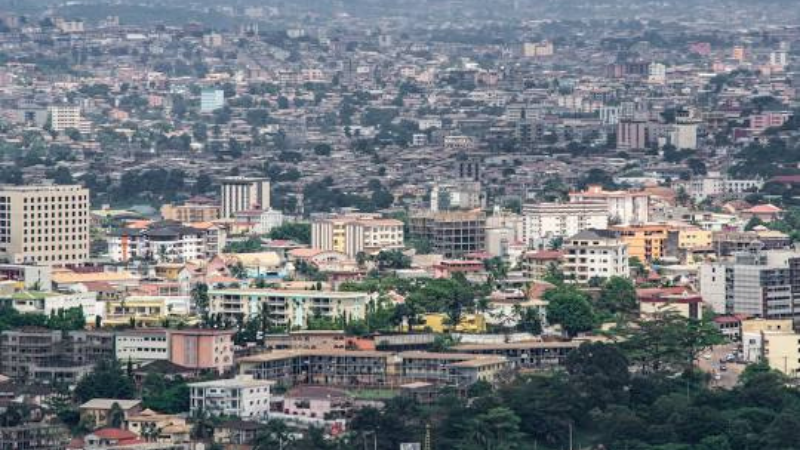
672, 299
764, 209
115, 434
544, 255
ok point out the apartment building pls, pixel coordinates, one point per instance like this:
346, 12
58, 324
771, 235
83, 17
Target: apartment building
211, 100
450, 233
355, 234
545, 221
624, 207
64, 117
34, 436
160, 242
243, 397
47, 303
45, 224
595, 254
202, 349
525, 355
142, 344
632, 134
536, 265
50, 356
289, 308
649, 242
715, 183
190, 212
242, 193
761, 284
373, 368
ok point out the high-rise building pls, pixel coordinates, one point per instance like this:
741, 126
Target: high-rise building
450, 233
44, 224
595, 254
64, 117
241, 193
545, 221
757, 283
211, 100
624, 207
632, 134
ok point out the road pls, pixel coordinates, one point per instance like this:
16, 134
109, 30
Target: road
728, 378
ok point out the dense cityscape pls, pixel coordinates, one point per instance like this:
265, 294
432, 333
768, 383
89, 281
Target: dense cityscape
399, 225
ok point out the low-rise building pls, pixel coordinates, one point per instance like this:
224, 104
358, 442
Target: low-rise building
290, 308
142, 345
98, 410
202, 349
243, 397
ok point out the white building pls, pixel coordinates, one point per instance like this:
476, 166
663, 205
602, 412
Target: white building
624, 207
211, 100
51, 302
714, 183
242, 193
46, 225
657, 73
242, 397
544, 221
354, 234
684, 135
142, 345
163, 242
64, 117
595, 254
263, 221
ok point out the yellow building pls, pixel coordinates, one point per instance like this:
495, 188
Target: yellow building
148, 311
646, 242
773, 341
691, 238
438, 323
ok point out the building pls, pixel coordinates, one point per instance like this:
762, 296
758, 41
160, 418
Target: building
287, 308
243, 397
537, 265
450, 233
685, 305
47, 303
526, 354
624, 207
98, 410
714, 184
202, 349
49, 356
356, 234
211, 100
632, 134
593, 254
373, 368
45, 225
760, 284
649, 242
241, 193
545, 221
190, 212
64, 117
462, 194
142, 344
262, 221
34, 436
159, 242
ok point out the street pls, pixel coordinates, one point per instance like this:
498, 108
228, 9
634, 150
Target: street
728, 378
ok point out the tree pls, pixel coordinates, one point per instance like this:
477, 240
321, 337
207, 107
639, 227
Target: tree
323, 149
164, 395
106, 380
570, 308
667, 341
600, 373
116, 416
393, 259
617, 296
496, 429
274, 435
200, 297
294, 231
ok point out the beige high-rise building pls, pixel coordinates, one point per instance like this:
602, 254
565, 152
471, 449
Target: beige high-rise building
241, 193
64, 117
45, 224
